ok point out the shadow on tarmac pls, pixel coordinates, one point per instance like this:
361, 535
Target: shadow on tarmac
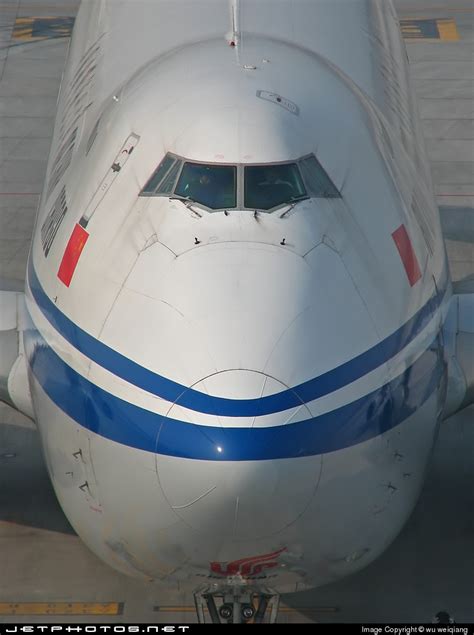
26, 494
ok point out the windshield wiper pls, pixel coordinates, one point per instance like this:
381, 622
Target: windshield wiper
293, 201
187, 202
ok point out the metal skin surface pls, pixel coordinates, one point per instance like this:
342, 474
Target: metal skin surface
216, 403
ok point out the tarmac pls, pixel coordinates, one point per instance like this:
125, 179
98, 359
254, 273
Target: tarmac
46, 573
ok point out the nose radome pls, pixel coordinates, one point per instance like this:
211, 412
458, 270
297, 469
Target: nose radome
238, 500
220, 491
237, 326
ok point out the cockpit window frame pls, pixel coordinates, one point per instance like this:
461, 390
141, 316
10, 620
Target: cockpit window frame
239, 183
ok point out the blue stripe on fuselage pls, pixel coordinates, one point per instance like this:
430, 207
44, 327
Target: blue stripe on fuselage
195, 400
125, 423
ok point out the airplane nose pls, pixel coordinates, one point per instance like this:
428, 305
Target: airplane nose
220, 492
239, 327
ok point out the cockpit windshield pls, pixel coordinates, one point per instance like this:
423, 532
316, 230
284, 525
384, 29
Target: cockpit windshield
255, 187
268, 186
211, 185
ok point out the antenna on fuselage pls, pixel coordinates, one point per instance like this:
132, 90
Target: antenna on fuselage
233, 36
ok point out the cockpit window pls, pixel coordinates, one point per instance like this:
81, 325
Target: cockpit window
167, 183
318, 182
159, 174
255, 187
211, 185
267, 186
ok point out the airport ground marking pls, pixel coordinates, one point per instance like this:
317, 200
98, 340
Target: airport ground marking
61, 608
430, 30
33, 28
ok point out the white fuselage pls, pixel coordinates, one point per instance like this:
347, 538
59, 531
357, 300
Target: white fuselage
229, 395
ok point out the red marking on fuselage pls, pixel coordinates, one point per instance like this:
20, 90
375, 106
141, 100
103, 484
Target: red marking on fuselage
72, 254
247, 566
407, 254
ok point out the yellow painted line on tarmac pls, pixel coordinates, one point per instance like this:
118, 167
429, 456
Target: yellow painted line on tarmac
23, 29
448, 30
61, 608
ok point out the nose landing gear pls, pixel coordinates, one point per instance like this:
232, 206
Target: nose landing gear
236, 606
